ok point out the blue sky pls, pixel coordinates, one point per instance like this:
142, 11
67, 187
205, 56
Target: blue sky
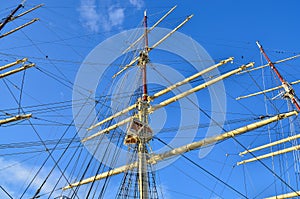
69, 30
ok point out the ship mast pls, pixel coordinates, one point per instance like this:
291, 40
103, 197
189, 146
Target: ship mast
289, 91
144, 59
143, 117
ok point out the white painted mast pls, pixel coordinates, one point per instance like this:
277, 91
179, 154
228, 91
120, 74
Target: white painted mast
143, 115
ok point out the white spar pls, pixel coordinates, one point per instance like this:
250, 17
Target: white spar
294, 148
18, 28
277, 62
103, 175
113, 116
266, 91
172, 32
15, 118
106, 130
288, 139
26, 12
16, 70
13, 63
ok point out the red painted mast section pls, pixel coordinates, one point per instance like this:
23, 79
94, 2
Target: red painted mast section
289, 90
144, 64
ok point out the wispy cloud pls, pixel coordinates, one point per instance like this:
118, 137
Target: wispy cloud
89, 16
137, 3
116, 16
94, 15
16, 174
113, 18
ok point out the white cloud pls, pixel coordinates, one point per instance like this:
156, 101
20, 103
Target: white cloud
94, 17
116, 16
17, 176
137, 3
89, 16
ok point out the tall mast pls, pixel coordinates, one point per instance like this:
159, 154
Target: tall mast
287, 87
143, 117
144, 60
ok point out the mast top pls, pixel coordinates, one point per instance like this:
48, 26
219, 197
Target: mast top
258, 44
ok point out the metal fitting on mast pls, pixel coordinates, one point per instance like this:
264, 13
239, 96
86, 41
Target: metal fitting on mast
143, 58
